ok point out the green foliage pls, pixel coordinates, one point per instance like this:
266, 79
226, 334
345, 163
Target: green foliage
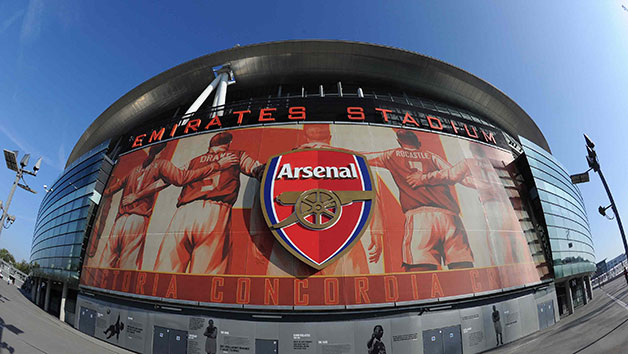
7, 256
23, 266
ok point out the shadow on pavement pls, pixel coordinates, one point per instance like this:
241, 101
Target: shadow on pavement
619, 294
601, 337
11, 328
582, 319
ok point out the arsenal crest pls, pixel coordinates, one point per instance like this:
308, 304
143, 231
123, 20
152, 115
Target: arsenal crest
317, 202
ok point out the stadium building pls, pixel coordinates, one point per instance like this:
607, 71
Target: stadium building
312, 197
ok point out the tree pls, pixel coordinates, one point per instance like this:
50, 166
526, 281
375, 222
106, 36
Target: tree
7, 256
23, 267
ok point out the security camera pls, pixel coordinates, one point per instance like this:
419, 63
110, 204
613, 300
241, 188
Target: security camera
37, 165
589, 142
25, 159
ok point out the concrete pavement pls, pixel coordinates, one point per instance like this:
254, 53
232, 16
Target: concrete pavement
25, 328
601, 326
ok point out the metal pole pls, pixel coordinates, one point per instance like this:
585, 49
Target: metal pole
221, 94
5, 212
610, 197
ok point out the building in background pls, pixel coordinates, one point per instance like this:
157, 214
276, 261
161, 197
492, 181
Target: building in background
312, 196
601, 268
616, 261
10, 274
609, 270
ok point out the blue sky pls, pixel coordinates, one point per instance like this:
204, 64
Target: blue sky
564, 62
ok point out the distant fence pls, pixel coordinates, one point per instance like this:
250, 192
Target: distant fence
611, 274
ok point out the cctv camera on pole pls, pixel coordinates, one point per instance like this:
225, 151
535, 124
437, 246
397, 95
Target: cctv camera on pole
11, 159
37, 166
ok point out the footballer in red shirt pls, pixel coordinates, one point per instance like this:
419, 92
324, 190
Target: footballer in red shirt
197, 239
504, 233
125, 246
434, 234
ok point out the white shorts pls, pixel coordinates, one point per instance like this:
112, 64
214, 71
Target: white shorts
125, 246
197, 240
434, 236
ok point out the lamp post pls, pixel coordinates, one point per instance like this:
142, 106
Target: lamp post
594, 165
11, 159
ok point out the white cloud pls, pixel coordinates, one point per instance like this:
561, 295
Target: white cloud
21, 144
61, 156
31, 26
26, 148
8, 22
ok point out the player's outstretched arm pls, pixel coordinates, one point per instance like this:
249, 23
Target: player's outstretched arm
151, 189
449, 176
250, 166
172, 174
184, 177
377, 159
115, 186
377, 233
467, 181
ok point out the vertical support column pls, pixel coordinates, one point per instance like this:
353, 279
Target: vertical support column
569, 297
587, 283
221, 93
38, 291
64, 295
33, 289
201, 99
47, 298
585, 291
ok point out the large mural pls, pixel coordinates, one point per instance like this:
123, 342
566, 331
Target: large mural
201, 218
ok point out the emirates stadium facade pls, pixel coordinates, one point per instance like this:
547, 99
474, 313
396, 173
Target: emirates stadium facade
312, 197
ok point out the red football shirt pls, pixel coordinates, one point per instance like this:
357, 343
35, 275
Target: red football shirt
483, 177
402, 162
221, 185
141, 177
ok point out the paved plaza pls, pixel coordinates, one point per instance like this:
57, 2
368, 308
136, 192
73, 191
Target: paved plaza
25, 328
599, 327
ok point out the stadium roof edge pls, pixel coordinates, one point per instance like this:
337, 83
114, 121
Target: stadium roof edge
342, 60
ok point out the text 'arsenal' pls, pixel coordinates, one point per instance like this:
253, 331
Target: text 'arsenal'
327, 172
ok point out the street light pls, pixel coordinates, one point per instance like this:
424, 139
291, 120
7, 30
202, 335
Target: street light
11, 159
594, 164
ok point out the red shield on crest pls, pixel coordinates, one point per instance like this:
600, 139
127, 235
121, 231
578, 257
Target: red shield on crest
317, 202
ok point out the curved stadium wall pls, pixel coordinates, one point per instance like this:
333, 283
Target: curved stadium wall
308, 209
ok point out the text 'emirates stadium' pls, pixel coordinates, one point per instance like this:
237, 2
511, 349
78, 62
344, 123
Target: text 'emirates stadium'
312, 197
